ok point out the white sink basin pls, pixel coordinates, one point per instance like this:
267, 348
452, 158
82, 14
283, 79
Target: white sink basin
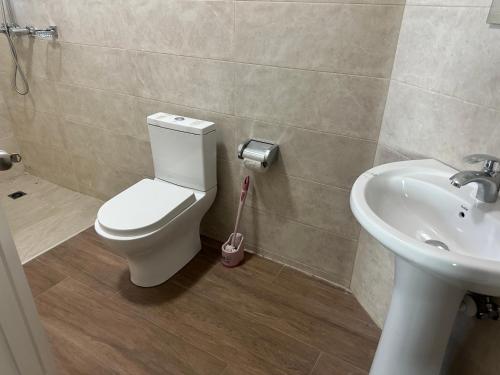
403, 205
407, 203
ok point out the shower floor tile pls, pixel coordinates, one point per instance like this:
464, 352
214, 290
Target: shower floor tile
46, 216
260, 318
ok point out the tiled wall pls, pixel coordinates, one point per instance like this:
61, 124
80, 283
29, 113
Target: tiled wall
8, 142
312, 76
444, 103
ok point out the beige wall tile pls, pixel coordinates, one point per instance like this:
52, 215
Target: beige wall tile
383, 2
307, 202
320, 157
300, 245
38, 127
450, 50
42, 96
341, 104
101, 180
373, 277
205, 84
328, 37
97, 22
53, 163
120, 151
96, 67
433, 125
183, 27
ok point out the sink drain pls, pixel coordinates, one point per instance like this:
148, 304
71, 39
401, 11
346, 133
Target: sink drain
438, 244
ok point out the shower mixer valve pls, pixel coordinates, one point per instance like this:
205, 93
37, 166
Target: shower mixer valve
14, 30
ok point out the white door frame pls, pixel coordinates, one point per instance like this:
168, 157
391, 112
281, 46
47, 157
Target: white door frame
24, 349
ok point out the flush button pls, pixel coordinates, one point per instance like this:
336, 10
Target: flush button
179, 118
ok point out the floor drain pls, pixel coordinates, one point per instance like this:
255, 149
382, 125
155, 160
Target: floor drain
438, 244
17, 194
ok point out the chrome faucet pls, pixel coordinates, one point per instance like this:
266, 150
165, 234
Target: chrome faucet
488, 179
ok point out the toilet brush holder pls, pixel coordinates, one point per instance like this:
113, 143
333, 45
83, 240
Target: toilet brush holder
232, 256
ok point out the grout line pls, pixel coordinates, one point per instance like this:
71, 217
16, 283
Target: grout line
222, 60
275, 278
56, 284
448, 96
263, 122
315, 363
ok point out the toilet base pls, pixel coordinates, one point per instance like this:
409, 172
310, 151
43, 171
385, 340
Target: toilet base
151, 268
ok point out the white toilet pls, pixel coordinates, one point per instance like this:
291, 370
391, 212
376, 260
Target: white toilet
155, 223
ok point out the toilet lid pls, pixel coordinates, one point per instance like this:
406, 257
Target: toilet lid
147, 205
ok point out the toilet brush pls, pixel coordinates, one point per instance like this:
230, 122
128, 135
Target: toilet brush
233, 248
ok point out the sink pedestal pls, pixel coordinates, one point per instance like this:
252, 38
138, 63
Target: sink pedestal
418, 326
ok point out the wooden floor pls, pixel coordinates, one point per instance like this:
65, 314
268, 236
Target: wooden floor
259, 318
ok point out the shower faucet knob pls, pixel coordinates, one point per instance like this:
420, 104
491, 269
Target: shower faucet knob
7, 159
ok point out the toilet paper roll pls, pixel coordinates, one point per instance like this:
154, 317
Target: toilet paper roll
253, 165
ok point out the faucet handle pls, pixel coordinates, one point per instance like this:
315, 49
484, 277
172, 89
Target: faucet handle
490, 161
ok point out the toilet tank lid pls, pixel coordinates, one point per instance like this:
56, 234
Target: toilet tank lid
181, 123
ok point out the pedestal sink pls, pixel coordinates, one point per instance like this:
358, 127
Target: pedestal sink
446, 242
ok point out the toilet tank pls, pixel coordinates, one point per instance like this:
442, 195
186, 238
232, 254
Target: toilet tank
184, 150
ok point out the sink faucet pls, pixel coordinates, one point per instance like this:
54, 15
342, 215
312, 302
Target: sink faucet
488, 179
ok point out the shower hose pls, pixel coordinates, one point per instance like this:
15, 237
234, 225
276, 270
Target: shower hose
18, 70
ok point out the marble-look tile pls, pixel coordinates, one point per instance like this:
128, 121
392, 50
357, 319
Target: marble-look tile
99, 22
386, 155
200, 83
101, 109
95, 67
102, 180
6, 123
449, 50
341, 104
307, 202
320, 157
192, 28
450, 3
38, 127
327, 37
46, 216
5, 58
41, 98
53, 163
373, 277
303, 246
433, 125
120, 151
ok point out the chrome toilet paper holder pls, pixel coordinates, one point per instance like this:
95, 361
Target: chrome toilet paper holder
259, 151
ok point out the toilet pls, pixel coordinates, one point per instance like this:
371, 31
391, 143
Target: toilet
155, 223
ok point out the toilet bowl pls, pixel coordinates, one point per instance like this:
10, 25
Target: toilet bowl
155, 223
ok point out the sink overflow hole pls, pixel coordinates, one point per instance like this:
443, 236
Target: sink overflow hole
461, 214
17, 194
438, 244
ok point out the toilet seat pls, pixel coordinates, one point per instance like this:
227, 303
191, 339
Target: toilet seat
144, 207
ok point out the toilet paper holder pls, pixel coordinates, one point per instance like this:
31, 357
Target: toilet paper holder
259, 151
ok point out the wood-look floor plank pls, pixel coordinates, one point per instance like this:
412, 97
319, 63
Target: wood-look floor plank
257, 319
41, 277
325, 301
328, 365
106, 331
220, 330
273, 306
84, 258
